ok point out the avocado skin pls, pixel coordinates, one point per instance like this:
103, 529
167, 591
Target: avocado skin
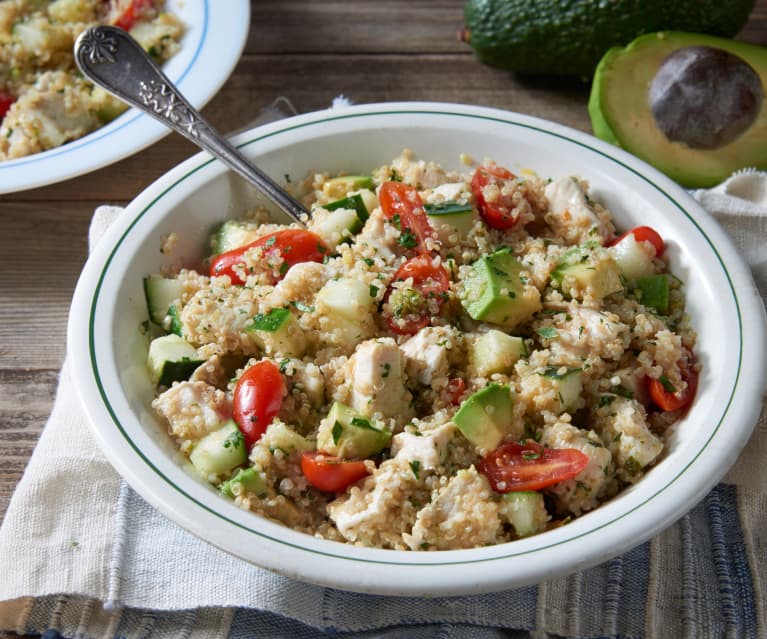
620, 112
568, 37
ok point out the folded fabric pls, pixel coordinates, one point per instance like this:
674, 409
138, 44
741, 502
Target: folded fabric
82, 555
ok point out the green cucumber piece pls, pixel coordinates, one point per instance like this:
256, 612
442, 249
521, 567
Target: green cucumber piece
278, 332
171, 359
569, 385
455, 214
496, 352
485, 417
353, 202
233, 234
219, 452
341, 185
578, 270
525, 511
161, 293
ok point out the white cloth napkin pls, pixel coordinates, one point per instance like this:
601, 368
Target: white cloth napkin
84, 556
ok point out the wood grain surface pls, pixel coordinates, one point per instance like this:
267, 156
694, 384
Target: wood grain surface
306, 50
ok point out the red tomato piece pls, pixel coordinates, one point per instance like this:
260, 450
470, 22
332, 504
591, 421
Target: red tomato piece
6, 100
290, 246
331, 474
257, 399
430, 282
402, 204
514, 467
498, 211
455, 388
665, 397
126, 13
645, 234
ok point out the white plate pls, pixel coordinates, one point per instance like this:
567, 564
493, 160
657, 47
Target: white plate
211, 46
109, 352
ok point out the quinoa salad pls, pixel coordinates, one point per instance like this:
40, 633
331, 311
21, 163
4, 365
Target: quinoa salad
439, 360
44, 100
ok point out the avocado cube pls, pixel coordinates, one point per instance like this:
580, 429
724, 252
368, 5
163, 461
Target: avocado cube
587, 270
485, 417
496, 352
496, 291
347, 434
245, 480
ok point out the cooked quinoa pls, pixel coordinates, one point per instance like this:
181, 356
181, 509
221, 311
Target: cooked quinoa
44, 100
454, 328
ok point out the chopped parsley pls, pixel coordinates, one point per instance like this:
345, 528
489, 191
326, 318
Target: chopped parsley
415, 466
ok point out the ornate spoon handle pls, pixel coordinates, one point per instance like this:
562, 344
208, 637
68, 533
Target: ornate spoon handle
111, 58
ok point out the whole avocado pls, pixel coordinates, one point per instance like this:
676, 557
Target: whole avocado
568, 37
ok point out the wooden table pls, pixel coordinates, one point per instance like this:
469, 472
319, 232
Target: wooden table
307, 50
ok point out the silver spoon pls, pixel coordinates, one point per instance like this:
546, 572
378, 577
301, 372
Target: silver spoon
111, 58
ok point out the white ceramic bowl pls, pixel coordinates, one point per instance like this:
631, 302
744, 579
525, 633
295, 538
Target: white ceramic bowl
210, 48
108, 350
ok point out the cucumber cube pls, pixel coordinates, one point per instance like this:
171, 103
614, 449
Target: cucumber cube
496, 352
219, 452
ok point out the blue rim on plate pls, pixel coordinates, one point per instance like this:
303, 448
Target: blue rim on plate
211, 46
387, 560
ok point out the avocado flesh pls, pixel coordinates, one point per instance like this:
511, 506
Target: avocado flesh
568, 37
620, 110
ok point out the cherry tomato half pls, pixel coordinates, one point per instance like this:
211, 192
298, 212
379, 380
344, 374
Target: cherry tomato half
291, 246
128, 12
645, 234
455, 388
496, 212
514, 467
411, 312
257, 399
331, 474
402, 204
6, 100
665, 397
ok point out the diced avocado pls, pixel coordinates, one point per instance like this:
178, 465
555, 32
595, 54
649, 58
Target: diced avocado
654, 292
161, 293
485, 417
245, 480
447, 218
338, 187
278, 332
525, 510
347, 434
496, 291
587, 270
280, 435
171, 359
496, 352
568, 38
689, 104
219, 452
233, 234
568, 383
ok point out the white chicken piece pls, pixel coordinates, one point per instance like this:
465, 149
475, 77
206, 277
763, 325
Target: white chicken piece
624, 431
582, 492
300, 284
462, 514
426, 353
585, 332
427, 448
572, 215
382, 508
193, 409
377, 380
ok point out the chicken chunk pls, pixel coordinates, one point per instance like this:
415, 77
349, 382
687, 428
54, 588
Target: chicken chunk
427, 353
582, 492
572, 213
427, 448
462, 514
376, 370
193, 409
584, 332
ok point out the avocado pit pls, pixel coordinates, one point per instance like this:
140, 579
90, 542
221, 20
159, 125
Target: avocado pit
705, 97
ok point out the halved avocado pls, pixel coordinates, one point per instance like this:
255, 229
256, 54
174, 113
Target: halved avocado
625, 112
